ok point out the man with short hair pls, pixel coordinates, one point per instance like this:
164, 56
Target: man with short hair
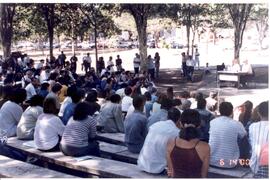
162, 114
135, 126
152, 158
31, 88
62, 59
258, 135
223, 138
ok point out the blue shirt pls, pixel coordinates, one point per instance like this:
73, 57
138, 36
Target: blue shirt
135, 131
69, 111
161, 115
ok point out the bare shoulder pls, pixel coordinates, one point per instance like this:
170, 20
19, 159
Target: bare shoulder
203, 147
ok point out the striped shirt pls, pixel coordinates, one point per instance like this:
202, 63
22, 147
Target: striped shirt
78, 133
223, 135
258, 136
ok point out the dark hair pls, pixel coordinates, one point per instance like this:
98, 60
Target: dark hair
184, 94
44, 86
255, 115
226, 109
36, 100
176, 102
263, 109
71, 90
91, 96
53, 76
138, 101
49, 106
190, 120
198, 96
115, 98
166, 104
201, 103
18, 95
147, 95
174, 114
57, 87
77, 95
7, 92
170, 92
83, 110
128, 91
246, 115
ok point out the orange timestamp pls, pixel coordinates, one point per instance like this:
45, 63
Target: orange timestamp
234, 162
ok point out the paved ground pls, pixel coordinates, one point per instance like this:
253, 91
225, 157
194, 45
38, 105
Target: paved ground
256, 94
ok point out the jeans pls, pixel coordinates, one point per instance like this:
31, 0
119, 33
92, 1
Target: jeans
136, 70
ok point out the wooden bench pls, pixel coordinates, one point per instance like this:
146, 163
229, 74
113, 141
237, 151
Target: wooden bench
10, 168
113, 138
126, 156
96, 166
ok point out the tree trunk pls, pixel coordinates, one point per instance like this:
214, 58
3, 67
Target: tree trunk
7, 12
50, 26
237, 45
141, 25
188, 38
72, 38
192, 43
96, 48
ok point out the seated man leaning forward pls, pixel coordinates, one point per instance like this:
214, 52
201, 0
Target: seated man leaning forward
136, 126
223, 138
152, 158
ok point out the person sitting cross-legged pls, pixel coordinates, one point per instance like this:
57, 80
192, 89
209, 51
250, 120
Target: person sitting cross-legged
79, 135
152, 158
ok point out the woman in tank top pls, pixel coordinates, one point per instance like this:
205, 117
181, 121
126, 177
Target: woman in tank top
187, 156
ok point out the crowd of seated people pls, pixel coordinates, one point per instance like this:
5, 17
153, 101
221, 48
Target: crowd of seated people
181, 135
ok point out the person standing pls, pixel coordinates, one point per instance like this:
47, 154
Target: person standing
118, 63
73, 63
197, 60
110, 65
184, 64
61, 59
190, 68
87, 62
151, 67
136, 63
157, 64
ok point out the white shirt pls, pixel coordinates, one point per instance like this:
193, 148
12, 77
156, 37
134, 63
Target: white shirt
136, 62
10, 115
30, 91
258, 136
87, 59
235, 68
190, 62
66, 102
247, 68
47, 130
121, 92
152, 158
26, 126
126, 103
223, 135
43, 76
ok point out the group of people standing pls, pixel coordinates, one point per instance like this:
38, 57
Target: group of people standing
188, 64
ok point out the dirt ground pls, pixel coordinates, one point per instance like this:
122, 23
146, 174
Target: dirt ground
256, 92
